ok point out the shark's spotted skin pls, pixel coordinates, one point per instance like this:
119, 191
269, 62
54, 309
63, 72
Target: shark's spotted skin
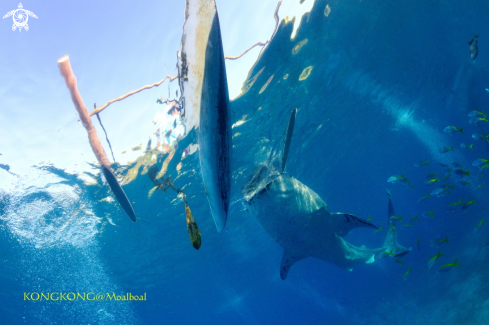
300, 221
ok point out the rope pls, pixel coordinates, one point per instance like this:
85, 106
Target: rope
106, 137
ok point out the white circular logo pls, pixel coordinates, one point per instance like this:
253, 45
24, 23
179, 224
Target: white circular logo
20, 17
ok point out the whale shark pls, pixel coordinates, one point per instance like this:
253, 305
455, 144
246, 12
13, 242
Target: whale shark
300, 221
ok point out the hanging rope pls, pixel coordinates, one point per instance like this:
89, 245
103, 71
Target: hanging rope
106, 137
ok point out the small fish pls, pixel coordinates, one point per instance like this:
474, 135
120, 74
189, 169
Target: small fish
433, 260
437, 242
484, 166
418, 244
407, 225
388, 193
480, 136
480, 162
421, 199
453, 129
389, 253
369, 218
404, 276
376, 231
467, 205
477, 227
453, 206
399, 179
447, 267
399, 261
454, 165
439, 191
473, 47
477, 120
421, 163
465, 183
466, 146
427, 214
397, 218
415, 218
478, 187
459, 202
475, 113
432, 181
445, 149
461, 172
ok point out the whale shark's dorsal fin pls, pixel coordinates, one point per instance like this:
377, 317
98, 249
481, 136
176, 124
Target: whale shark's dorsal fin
288, 259
390, 212
278, 156
345, 222
288, 138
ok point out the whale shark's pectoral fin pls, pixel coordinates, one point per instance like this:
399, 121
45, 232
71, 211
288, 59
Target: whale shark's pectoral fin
345, 222
287, 261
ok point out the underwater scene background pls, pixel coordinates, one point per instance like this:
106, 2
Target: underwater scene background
376, 85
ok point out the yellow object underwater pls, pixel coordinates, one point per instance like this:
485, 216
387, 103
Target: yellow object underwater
193, 229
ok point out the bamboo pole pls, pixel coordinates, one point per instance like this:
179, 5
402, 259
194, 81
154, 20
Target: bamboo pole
156, 84
238, 56
70, 79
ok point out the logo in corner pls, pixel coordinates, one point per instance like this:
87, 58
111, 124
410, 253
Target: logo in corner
20, 17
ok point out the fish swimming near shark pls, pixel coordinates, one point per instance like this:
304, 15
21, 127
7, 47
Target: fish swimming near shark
300, 221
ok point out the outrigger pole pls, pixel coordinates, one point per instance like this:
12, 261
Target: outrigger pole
70, 79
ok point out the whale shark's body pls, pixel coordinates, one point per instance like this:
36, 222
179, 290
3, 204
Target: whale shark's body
299, 220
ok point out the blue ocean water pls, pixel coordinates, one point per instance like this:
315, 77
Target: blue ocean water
386, 80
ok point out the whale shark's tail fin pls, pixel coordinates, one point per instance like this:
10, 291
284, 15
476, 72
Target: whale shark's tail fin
391, 246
